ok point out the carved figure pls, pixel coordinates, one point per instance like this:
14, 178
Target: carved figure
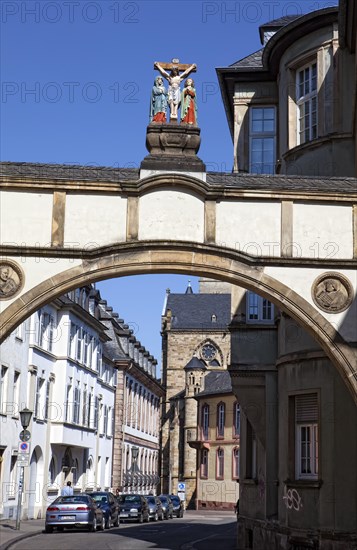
8, 285
174, 79
189, 103
158, 105
332, 292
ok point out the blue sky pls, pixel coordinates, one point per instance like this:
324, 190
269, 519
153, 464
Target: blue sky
76, 80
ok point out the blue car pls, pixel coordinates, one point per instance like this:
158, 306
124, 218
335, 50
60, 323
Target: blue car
107, 502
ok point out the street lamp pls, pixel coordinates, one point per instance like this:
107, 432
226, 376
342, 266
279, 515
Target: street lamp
25, 417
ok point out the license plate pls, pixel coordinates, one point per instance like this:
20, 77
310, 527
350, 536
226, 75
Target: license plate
124, 515
67, 517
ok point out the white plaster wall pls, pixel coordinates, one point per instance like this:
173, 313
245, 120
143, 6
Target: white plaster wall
38, 270
26, 218
171, 215
94, 220
322, 231
251, 227
301, 280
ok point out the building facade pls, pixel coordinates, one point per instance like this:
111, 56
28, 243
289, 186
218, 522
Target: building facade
291, 109
62, 363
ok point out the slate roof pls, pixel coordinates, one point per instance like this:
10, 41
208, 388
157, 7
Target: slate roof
281, 21
283, 182
225, 179
195, 363
194, 311
252, 60
216, 382
68, 172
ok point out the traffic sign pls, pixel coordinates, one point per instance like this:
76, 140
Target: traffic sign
24, 448
181, 487
23, 460
25, 435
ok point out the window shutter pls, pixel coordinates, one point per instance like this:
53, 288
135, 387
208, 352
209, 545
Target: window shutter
306, 408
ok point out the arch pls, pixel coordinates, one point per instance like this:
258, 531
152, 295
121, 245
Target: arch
212, 261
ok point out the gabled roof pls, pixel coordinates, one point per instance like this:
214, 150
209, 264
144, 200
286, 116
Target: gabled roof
194, 311
216, 382
276, 24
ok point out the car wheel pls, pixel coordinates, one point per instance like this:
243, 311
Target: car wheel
141, 518
107, 522
156, 517
48, 529
104, 524
93, 527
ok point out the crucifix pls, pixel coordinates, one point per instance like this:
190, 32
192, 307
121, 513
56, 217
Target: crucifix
174, 79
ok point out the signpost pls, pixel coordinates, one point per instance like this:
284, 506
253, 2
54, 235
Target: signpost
23, 458
181, 490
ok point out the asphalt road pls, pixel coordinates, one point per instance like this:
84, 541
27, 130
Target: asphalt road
195, 531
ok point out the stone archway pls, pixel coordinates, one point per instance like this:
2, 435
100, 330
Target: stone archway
196, 259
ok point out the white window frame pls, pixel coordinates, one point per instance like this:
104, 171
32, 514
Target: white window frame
307, 453
261, 305
306, 99
261, 135
236, 419
220, 463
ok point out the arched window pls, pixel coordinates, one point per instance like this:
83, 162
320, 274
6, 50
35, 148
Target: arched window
221, 417
205, 422
236, 419
220, 463
235, 463
52, 472
75, 472
204, 464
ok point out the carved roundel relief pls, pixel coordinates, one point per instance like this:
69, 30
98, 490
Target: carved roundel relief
11, 279
332, 292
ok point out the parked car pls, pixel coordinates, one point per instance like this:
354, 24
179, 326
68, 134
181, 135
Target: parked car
74, 511
178, 506
155, 508
109, 504
167, 506
133, 507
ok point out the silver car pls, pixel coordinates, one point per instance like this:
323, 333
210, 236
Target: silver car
74, 511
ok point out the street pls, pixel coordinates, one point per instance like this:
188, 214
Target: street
197, 530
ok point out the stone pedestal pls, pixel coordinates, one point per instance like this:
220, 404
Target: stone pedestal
173, 147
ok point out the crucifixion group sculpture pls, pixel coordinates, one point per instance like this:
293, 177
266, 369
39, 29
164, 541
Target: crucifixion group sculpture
174, 97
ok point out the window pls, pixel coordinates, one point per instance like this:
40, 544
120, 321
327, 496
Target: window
76, 404
12, 489
68, 403
52, 472
205, 421
46, 331
306, 436
84, 407
19, 332
96, 412
306, 100
220, 464
16, 400
221, 415
259, 309
236, 419
204, 464
105, 420
47, 400
3, 388
38, 397
235, 463
262, 140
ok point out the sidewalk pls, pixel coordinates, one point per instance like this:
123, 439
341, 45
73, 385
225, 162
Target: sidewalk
28, 528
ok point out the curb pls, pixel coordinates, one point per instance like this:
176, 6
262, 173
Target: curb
15, 540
